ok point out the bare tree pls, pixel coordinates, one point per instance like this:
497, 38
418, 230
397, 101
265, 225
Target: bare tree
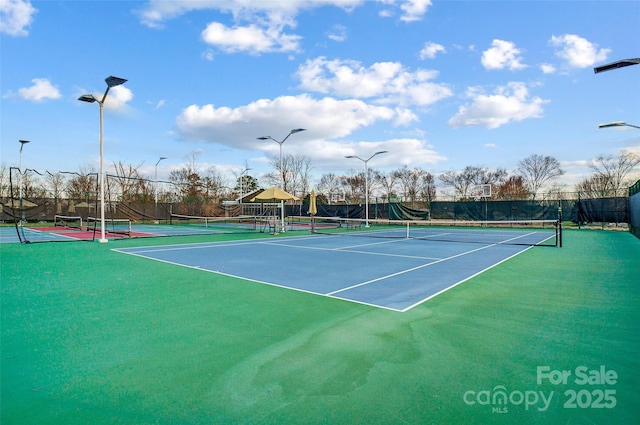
215, 183
300, 171
55, 184
296, 173
463, 181
329, 184
188, 182
536, 170
592, 187
389, 183
83, 186
129, 182
427, 189
416, 183
613, 171
353, 185
187, 179
4, 181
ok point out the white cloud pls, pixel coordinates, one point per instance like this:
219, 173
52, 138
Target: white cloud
208, 55
578, 52
259, 25
251, 39
325, 119
508, 103
15, 17
414, 10
238, 127
502, 54
41, 89
547, 68
385, 82
431, 49
118, 97
329, 154
338, 33
411, 10
155, 12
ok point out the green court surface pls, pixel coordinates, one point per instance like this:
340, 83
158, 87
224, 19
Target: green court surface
92, 336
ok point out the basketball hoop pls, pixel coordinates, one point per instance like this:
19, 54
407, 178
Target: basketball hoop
481, 191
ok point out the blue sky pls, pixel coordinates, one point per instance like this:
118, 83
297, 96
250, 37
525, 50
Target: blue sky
439, 84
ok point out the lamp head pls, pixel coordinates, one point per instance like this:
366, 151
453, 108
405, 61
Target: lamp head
613, 124
114, 81
88, 98
22, 143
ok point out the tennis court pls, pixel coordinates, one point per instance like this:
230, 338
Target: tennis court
91, 335
74, 230
396, 273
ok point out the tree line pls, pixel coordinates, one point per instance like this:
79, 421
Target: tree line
610, 174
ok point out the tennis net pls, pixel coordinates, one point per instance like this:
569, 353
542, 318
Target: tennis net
197, 224
67, 221
118, 226
519, 232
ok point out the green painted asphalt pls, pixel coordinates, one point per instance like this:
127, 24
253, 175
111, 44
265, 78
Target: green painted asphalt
89, 335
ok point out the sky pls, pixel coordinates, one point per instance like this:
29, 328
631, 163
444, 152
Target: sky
440, 85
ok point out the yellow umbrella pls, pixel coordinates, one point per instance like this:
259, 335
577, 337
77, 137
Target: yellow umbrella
274, 194
313, 209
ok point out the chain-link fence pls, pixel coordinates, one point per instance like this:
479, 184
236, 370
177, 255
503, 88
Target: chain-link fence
147, 201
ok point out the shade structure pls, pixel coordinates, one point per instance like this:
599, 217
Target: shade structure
313, 209
18, 204
274, 194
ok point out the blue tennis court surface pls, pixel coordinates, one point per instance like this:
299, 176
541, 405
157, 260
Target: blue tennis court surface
10, 235
395, 274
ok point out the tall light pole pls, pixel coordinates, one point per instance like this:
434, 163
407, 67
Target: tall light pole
22, 143
155, 183
617, 124
366, 183
295, 130
111, 82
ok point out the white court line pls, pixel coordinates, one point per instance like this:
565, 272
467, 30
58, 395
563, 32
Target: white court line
462, 281
143, 250
409, 270
353, 250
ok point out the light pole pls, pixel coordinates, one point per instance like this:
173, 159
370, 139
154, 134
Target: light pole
155, 183
241, 194
22, 143
295, 130
617, 124
366, 183
111, 82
